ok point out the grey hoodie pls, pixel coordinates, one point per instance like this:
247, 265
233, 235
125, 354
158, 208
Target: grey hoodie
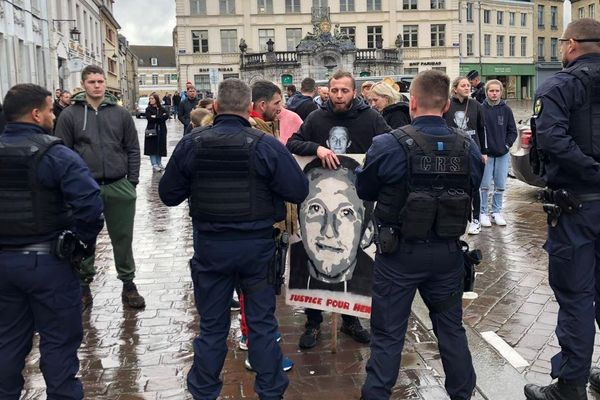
106, 138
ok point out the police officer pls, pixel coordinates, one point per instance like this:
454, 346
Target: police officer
421, 176
567, 134
236, 179
45, 189
478, 87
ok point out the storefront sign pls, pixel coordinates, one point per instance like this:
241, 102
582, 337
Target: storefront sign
425, 63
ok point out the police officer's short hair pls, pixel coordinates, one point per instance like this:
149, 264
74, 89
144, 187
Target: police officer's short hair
21, 99
430, 89
339, 74
264, 91
234, 96
308, 85
584, 28
91, 69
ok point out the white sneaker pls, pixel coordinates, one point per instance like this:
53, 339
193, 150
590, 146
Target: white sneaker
499, 219
155, 168
474, 227
484, 219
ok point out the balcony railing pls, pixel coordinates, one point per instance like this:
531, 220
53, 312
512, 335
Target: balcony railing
279, 57
372, 55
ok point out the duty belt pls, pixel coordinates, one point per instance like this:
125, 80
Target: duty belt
40, 248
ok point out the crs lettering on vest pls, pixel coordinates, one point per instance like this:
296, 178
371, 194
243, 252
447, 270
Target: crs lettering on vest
438, 164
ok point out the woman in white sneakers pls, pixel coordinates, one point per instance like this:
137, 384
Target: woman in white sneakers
500, 134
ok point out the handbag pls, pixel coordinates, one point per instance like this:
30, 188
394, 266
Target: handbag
150, 132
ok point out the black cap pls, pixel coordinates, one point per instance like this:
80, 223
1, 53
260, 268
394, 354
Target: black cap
472, 74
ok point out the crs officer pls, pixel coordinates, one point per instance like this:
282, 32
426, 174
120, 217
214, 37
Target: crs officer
567, 133
422, 176
236, 179
45, 189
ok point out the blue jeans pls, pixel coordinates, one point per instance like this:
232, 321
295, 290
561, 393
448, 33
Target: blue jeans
155, 159
496, 168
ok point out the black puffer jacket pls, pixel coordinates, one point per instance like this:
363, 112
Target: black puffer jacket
396, 115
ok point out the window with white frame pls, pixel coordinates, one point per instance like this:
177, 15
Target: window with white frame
469, 12
200, 41
410, 35
554, 17
154, 61
470, 40
500, 45
198, 7
540, 48
511, 18
229, 41
553, 49
523, 19
437, 4
500, 17
374, 35
409, 4
155, 79
374, 5
487, 45
592, 11
202, 82
540, 16
581, 12
512, 44
264, 6
263, 37
167, 79
226, 7
523, 46
292, 6
293, 37
487, 16
349, 31
346, 5
438, 35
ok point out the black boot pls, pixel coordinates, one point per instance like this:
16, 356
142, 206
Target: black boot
595, 379
556, 391
131, 297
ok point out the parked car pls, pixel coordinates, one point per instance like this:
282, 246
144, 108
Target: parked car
140, 109
519, 155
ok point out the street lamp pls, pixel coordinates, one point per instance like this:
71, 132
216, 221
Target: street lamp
73, 33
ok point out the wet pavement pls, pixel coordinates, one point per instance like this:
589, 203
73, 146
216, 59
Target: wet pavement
128, 354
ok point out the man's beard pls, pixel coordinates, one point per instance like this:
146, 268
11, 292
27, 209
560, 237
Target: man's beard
347, 106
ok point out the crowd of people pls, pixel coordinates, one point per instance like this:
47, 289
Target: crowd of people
73, 164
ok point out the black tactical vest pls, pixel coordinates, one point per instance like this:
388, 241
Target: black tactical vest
225, 186
26, 207
435, 198
584, 123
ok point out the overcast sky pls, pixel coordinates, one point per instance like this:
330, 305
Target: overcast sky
150, 22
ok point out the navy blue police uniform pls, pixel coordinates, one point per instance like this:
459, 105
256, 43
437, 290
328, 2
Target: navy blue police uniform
433, 263
567, 134
237, 179
45, 189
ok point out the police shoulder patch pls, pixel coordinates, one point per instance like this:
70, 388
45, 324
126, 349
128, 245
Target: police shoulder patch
537, 107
